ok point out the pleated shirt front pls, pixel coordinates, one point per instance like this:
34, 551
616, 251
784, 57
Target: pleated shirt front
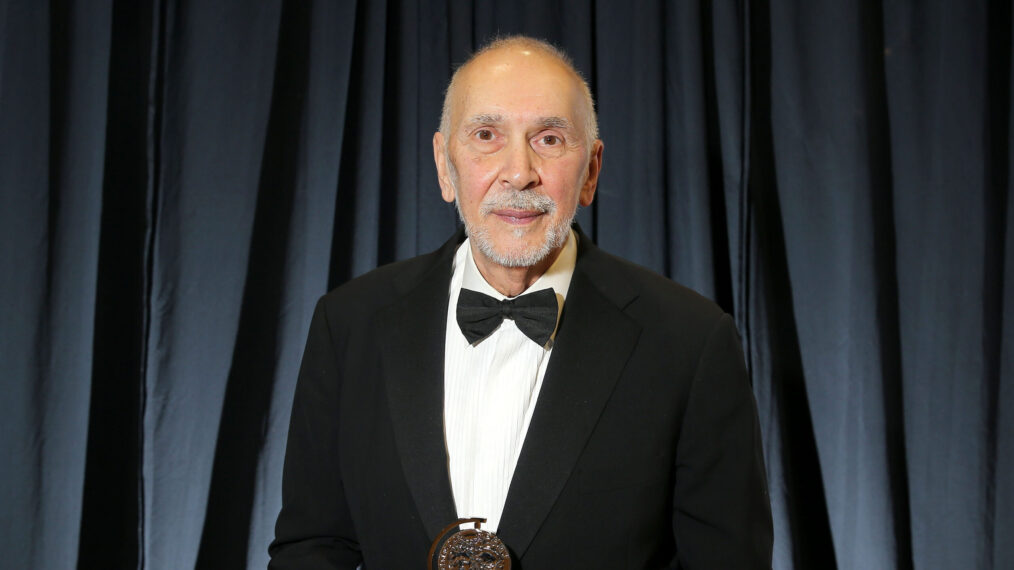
490, 390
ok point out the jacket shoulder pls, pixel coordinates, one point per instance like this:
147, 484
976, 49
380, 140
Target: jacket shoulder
652, 297
365, 295
669, 314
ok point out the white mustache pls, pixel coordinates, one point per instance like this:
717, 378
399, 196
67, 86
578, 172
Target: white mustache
525, 200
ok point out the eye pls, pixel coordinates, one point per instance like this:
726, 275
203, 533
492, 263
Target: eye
484, 134
550, 144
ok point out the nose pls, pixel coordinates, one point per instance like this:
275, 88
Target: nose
518, 171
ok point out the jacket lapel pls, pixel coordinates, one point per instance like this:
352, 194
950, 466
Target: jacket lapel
414, 380
592, 346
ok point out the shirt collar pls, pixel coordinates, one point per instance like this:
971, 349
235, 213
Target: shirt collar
557, 277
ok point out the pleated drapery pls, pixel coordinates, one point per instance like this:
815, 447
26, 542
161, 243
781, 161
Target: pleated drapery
180, 181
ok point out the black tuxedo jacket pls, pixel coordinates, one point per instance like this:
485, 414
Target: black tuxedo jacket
643, 451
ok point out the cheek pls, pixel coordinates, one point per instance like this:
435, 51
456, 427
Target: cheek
475, 178
563, 185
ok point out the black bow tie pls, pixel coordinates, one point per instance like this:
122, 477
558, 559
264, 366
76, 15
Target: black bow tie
534, 314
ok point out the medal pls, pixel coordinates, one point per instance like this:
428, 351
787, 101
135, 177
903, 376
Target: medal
469, 549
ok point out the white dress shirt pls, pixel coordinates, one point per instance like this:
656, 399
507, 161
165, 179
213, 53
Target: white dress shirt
490, 390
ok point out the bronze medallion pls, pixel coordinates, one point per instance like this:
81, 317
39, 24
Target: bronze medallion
469, 549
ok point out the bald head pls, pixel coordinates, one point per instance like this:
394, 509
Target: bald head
505, 48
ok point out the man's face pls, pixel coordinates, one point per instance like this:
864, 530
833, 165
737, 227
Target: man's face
517, 160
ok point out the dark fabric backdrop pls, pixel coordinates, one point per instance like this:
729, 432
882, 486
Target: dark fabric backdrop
180, 181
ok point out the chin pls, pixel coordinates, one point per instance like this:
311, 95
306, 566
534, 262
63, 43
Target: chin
520, 254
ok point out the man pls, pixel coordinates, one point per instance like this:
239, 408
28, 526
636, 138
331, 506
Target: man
605, 422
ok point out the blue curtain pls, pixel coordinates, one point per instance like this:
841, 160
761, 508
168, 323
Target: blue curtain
181, 180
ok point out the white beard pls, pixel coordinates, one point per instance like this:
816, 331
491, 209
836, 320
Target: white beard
518, 256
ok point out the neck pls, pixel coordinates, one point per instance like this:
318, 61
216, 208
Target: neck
512, 281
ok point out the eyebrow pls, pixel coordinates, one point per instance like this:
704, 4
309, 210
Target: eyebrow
554, 122
485, 119
551, 122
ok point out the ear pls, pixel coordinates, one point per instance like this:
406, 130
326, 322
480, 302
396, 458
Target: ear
594, 167
440, 158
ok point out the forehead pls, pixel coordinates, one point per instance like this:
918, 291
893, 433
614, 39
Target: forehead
520, 85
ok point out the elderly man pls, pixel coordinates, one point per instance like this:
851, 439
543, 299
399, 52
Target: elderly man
595, 414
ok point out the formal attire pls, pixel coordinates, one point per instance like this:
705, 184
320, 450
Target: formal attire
491, 387
641, 448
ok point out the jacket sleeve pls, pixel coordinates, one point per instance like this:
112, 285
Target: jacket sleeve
314, 528
722, 513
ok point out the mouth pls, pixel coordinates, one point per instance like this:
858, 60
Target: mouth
517, 217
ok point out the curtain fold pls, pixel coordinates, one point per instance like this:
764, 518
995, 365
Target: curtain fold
180, 181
